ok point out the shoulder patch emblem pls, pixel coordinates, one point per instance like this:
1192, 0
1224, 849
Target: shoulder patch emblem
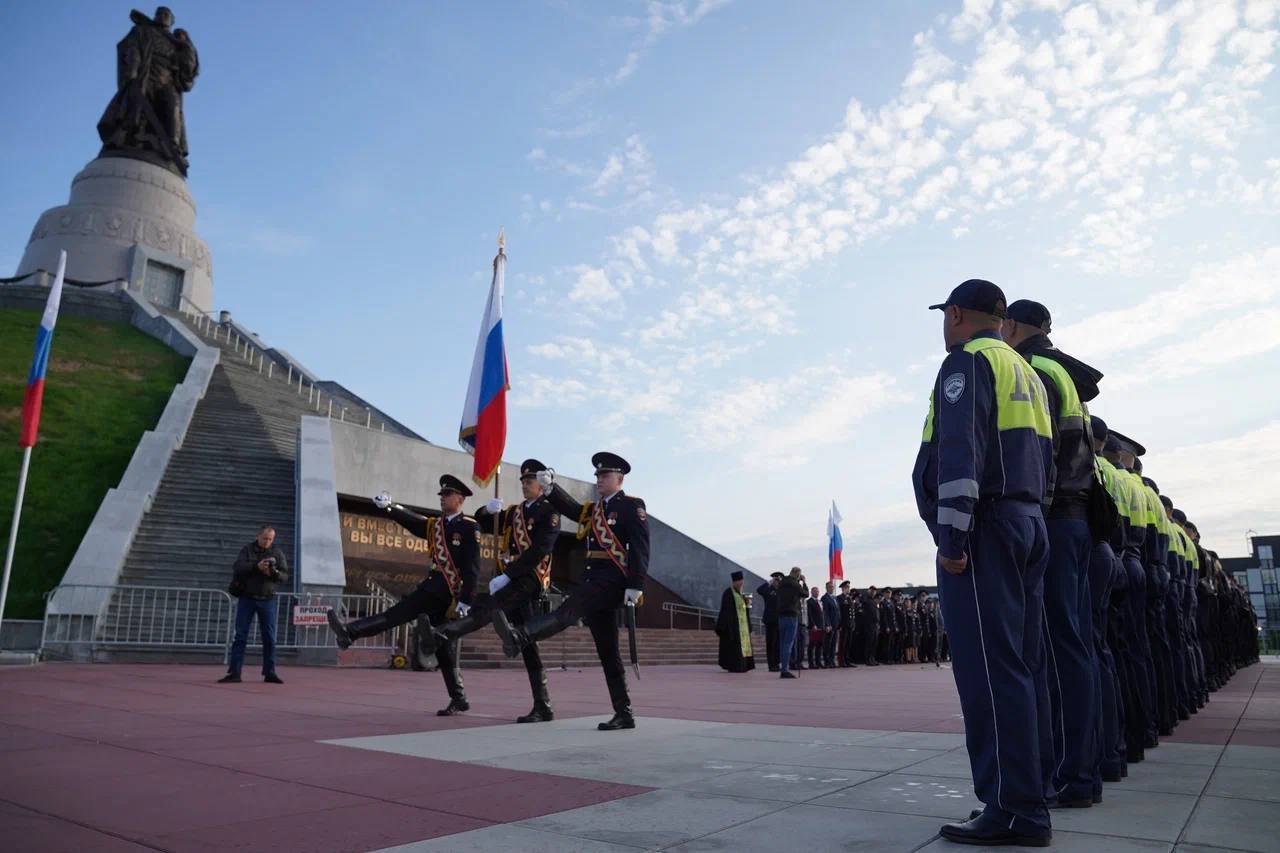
641, 514
953, 387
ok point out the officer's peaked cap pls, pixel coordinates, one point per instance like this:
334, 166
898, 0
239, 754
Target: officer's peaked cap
450, 483
530, 468
604, 461
976, 294
1098, 427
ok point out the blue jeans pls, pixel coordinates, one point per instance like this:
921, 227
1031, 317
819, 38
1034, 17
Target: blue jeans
265, 609
786, 640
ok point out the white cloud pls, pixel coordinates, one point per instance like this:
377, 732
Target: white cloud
592, 287
1217, 484
1243, 283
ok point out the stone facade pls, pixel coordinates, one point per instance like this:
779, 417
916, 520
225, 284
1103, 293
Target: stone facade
126, 218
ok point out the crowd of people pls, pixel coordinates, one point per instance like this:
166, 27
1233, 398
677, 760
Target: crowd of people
841, 628
1084, 616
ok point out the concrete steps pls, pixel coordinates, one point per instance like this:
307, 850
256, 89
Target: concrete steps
234, 472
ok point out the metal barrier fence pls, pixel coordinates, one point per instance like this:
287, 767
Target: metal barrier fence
672, 609
82, 618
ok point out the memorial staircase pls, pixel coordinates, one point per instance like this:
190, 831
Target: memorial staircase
234, 472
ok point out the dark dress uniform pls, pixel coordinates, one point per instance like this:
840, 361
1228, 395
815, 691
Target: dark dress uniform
527, 532
616, 531
870, 628
454, 545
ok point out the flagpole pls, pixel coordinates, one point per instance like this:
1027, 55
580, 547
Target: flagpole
13, 529
497, 474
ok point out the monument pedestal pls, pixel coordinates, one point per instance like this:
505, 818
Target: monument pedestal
132, 221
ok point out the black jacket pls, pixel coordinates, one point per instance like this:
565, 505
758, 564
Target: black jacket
256, 584
790, 596
817, 620
870, 609
462, 538
769, 596
628, 518
543, 525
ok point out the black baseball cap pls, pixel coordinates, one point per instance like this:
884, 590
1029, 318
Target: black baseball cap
976, 294
1031, 313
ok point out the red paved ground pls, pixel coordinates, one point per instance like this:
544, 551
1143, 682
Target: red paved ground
128, 757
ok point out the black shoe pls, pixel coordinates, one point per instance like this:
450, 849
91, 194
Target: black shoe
540, 714
619, 721
1097, 797
987, 832
773, 669
1151, 742
788, 674
229, 678
1113, 776
1073, 803
1124, 771
340, 632
512, 637
272, 678
455, 706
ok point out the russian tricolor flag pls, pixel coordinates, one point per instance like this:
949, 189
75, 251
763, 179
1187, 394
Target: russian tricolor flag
835, 543
34, 395
483, 433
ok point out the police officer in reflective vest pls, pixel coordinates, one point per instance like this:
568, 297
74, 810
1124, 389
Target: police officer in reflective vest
453, 541
616, 530
983, 470
526, 536
1069, 743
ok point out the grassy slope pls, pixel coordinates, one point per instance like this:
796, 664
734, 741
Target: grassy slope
106, 385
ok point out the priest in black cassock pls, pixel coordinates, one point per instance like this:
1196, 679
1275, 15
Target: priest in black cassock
733, 627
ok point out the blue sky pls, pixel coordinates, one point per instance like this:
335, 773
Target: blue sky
724, 222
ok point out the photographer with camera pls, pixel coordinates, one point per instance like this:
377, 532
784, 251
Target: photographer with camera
260, 566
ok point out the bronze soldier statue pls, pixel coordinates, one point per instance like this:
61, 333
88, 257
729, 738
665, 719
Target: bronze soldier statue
154, 67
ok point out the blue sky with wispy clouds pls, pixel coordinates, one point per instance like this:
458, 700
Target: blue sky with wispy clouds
724, 222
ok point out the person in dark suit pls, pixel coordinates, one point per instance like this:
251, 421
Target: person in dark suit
768, 593
616, 531
453, 540
817, 629
844, 645
831, 619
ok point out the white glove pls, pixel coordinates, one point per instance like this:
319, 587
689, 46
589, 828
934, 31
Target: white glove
382, 500
462, 609
632, 597
494, 506
546, 478
498, 583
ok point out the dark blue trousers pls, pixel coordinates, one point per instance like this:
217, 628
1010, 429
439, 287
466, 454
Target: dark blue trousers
246, 610
1110, 745
1140, 645
1072, 676
994, 613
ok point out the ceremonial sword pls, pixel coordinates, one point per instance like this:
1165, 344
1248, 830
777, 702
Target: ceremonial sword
631, 638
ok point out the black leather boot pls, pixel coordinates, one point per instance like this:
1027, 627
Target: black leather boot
541, 712
347, 633
516, 637
447, 655
622, 716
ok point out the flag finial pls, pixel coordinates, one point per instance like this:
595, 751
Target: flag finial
502, 239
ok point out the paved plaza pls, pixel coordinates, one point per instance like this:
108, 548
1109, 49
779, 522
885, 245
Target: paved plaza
157, 757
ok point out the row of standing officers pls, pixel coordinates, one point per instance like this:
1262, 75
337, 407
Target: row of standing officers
1084, 617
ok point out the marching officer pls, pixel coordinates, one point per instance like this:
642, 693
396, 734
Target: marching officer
527, 533
980, 477
453, 540
616, 530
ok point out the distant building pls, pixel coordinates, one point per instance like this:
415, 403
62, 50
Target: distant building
1257, 575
